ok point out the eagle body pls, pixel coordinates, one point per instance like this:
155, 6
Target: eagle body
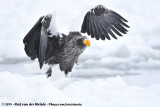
65, 51
52, 47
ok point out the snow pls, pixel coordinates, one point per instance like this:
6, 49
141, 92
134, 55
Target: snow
110, 92
52, 28
116, 73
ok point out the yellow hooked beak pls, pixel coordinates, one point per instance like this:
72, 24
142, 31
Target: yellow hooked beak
87, 42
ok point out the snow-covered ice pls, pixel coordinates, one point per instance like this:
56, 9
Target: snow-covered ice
103, 92
116, 73
110, 92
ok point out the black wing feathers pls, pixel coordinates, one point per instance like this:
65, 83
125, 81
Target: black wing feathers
36, 40
102, 22
31, 40
84, 28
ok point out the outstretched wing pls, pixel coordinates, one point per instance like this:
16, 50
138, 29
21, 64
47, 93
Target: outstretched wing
36, 39
101, 22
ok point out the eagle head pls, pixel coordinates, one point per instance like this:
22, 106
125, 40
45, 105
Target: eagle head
79, 40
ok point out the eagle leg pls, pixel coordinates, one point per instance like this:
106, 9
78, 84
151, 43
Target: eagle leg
49, 72
67, 74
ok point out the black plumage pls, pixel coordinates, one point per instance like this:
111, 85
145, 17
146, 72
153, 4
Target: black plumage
65, 50
103, 21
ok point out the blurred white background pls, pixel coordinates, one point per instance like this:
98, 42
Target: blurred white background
118, 73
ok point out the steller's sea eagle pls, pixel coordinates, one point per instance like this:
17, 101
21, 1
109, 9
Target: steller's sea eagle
65, 50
